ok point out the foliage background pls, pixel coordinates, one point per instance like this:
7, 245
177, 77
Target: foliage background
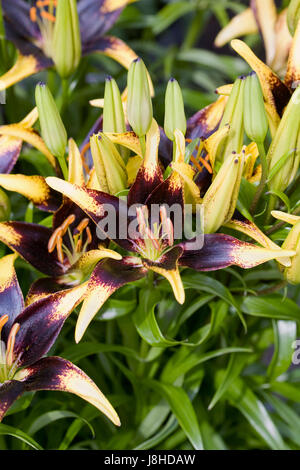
162, 389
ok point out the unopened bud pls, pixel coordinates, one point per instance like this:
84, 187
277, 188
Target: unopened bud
255, 117
5, 206
284, 152
174, 110
139, 104
293, 15
113, 113
52, 127
221, 198
66, 48
109, 165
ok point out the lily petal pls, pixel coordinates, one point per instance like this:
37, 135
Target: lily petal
56, 373
89, 259
42, 288
265, 13
41, 322
112, 47
25, 66
220, 251
10, 391
76, 173
30, 241
206, 121
11, 297
33, 188
128, 139
107, 277
293, 68
240, 25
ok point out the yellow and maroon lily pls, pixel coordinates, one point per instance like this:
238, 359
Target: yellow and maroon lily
27, 334
30, 26
153, 246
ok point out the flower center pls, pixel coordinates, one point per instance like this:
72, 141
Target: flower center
44, 15
79, 240
158, 239
8, 365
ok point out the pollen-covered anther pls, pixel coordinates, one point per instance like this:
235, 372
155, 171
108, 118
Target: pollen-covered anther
81, 226
11, 344
69, 221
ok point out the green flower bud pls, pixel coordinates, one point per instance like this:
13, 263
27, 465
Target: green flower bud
5, 206
109, 165
174, 110
221, 198
139, 104
113, 113
66, 47
233, 115
293, 15
284, 152
52, 127
255, 116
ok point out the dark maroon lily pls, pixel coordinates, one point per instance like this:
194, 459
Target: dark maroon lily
27, 334
28, 26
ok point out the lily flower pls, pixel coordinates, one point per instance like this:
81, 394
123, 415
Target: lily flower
31, 29
154, 245
262, 17
27, 334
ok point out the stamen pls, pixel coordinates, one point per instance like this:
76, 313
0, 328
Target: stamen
80, 227
60, 253
167, 226
45, 3
142, 216
53, 239
151, 236
69, 220
32, 14
89, 236
79, 245
47, 16
11, 344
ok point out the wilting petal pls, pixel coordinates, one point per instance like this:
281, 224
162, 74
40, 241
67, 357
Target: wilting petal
41, 322
91, 202
220, 251
11, 298
265, 13
250, 229
76, 173
149, 175
30, 136
10, 391
112, 47
293, 68
276, 94
240, 25
30, 241
56, 373
34, 188
42, 288
107, 277
167, 266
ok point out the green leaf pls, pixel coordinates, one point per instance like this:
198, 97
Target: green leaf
285, 333
18, 434
169, 14
283, 197
55, 415
271, 306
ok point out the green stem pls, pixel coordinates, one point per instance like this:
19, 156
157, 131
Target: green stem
63, 166
193, 32
264, 177
142, 139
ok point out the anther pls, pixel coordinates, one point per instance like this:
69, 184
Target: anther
11, 344
69, 220
60, 253
48, 16
32, 13
89, 235
80, 227
53, 239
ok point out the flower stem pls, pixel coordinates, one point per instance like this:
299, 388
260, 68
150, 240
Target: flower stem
142, 139
63, 166
264, 177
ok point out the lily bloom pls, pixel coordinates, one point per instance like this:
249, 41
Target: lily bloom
30, 27
153, 246
27, 334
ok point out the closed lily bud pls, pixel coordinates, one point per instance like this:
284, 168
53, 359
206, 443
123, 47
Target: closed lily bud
174, 110
66, 47
52, 127
139, 104
233, 115
220, 200
109, 165
293, 15
5, 206
284, 154
113, 113
255, 116
292, 242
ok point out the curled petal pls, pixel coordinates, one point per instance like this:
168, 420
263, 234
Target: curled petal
25, 66
10, 391
56, 373
33, 188
41, 322
128, 139
220, 251
11, 298
107, 277
89, 259
30, 241
240, 25
42, 288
